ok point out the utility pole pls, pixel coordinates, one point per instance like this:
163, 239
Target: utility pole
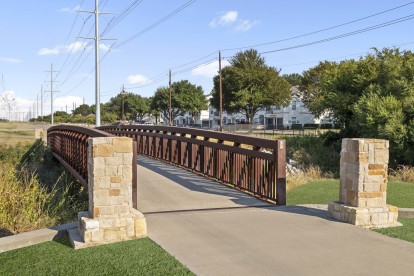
66, 109
97, 38
37, 105
170, 98
51, 92
221, 95
41, 101
122, 104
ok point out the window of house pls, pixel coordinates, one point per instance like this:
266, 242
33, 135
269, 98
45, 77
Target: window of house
294, 105
277, 107
294, 120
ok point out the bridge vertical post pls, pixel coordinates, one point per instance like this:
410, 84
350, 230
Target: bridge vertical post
111, 216
363, 185
280, 164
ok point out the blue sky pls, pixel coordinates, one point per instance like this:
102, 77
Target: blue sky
38, 33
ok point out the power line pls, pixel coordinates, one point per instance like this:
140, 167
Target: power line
320, 31
116, 20
374, 27
152, 26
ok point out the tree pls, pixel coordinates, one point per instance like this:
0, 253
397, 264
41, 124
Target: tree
294, 79
189, 97
249, 84
371, 97
83, 110
135, 106
186, 97
160, 102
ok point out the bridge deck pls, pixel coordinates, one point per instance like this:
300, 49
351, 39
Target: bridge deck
215, 230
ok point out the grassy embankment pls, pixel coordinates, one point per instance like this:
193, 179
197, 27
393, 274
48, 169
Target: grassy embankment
35, 191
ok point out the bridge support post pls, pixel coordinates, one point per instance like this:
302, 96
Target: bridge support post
111, 216
363, 185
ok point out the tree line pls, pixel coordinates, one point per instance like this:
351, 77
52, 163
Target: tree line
370, 97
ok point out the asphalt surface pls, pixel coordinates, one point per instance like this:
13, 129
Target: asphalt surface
216, 230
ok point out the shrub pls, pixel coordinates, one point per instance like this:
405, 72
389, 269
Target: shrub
36, 192
319, 152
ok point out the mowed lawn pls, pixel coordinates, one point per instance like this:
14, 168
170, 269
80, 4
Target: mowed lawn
399, 194
135, 257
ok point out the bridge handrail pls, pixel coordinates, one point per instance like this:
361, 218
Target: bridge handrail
252, 164
69, 145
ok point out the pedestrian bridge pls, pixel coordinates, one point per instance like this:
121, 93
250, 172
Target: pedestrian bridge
253, 165
218, 227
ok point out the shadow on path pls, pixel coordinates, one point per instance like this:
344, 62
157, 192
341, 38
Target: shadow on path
225, 194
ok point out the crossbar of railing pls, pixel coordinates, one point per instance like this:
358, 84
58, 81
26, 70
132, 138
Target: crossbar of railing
251, 164
69, 144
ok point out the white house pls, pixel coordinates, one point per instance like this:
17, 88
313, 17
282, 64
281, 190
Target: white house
275, 116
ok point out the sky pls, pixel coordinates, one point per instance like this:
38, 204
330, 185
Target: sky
143, 40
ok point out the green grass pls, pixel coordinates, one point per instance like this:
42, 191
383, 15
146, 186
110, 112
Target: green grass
406, 232
13, 133
399, 194
315, 192
135, 257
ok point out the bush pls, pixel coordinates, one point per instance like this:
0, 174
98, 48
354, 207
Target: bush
326, 126
315, 152
311, 126
35, 191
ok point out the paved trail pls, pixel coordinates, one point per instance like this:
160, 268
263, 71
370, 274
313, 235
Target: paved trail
216, 230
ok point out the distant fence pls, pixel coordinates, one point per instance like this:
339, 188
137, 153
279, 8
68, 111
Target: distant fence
69, 144
254, 165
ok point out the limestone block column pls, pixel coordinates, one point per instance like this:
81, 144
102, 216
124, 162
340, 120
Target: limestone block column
110, 217
363, 185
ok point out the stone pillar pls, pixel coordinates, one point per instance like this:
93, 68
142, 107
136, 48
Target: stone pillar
363, 185
111, 217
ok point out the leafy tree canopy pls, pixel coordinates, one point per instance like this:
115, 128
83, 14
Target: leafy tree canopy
135, 106
185, 97
370, 97
249, 84
294, 79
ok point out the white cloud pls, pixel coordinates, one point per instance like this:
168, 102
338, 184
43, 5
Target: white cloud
209, 70
245, 25
10, 60
224, 20
231, 19
48, 51
74, 47
70, 10
105, 47
137, 79
60, 103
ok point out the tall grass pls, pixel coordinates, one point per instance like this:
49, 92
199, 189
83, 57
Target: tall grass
403, 173
35, 191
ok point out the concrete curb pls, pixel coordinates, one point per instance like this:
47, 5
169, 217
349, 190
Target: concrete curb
406, 212
402, 212
34, 237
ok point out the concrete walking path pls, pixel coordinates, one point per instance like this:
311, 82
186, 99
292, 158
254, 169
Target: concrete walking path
216, 230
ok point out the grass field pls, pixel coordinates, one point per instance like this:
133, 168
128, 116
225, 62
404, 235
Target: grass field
399, 194
13, 133
135, 257
406, 232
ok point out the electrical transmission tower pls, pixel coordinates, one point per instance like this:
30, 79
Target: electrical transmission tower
97, 38
51, 92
